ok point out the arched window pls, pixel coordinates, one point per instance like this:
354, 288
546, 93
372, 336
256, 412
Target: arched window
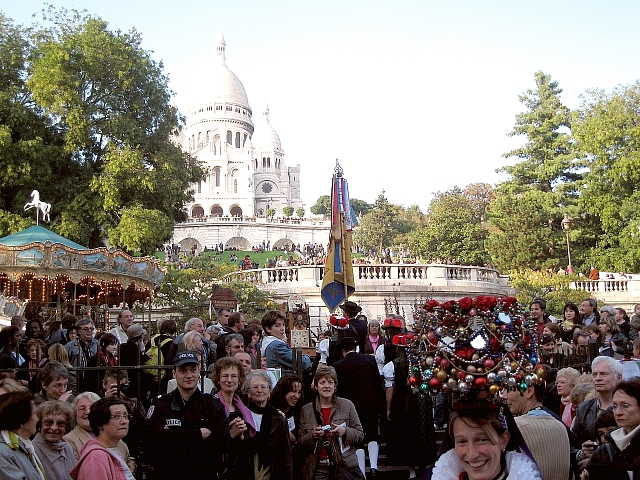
229, 137
268, 162
206, 141
197, 211
216, 211
244, 141
237, 139
235, 185
256, 164
264, 162
216, 172
199, 139
236, 211
217, 148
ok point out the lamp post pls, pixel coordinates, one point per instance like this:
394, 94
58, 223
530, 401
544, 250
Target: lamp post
566, 226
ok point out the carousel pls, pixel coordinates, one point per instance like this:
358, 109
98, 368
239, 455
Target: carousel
44, 275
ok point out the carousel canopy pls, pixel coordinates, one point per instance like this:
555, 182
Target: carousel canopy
38, 234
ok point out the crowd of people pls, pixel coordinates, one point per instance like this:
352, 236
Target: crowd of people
208, 402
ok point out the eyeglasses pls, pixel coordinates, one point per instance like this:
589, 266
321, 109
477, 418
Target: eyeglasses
50, 423
119, 416
622, 406
87, 329
260, 386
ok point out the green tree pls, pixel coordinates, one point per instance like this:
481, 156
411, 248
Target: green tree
555, 289
522, 233
546, 160
111, 102
360, 207
271, 212
300, 212
187, 290
525, 216
31, 154
379, 227
252, 301
322, 205
608, 139
453, 230
287, 211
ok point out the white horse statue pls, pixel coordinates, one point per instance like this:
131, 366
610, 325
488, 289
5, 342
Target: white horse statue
39, 205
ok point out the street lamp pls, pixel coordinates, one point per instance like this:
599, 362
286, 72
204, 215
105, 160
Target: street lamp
566, 226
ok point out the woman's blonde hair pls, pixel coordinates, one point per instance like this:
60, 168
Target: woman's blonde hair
58, 353
571, 374
189, 340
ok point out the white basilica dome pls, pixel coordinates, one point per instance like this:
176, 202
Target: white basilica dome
265, 136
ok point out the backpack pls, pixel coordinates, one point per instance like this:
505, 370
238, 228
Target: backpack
155, 357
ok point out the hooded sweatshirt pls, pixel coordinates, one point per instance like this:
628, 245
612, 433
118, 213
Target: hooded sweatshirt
98, 463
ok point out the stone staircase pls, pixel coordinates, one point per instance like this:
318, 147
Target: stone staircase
388, 469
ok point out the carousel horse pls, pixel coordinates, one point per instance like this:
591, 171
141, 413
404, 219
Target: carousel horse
44, 207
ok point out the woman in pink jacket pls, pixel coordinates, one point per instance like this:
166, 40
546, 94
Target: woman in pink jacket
99, 459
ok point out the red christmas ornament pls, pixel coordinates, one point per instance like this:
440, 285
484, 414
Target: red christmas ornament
489, 363
461, 375
444, 363
480, 382
413, 381
435, 383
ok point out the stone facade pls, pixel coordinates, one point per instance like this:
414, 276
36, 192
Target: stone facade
246, 161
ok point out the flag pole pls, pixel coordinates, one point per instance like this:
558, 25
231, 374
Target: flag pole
338, 174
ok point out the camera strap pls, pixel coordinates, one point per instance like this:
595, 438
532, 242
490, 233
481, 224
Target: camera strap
326, 441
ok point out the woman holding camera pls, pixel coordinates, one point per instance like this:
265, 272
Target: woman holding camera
329, 430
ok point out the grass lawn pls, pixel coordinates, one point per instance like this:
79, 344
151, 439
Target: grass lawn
260, 257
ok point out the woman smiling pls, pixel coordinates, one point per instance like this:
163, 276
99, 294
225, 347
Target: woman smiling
621, 455
57, 456
482, 449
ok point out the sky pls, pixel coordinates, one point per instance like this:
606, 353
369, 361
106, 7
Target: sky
412, 97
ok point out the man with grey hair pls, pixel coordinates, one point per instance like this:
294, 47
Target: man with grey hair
196, 324
589, 311
125, 320
81, 350
18, 321
233, 343
607, 373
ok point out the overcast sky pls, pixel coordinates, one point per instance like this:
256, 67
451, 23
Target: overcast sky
412, 97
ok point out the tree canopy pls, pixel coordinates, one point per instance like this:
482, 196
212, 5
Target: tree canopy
86, 119
454, 228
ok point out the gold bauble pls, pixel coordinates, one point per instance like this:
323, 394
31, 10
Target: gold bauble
494, 389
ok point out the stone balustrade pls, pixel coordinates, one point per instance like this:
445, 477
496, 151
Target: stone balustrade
406, 284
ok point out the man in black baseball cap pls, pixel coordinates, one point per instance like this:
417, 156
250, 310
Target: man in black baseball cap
189, 429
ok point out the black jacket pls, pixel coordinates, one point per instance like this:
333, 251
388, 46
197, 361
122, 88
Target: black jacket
359, 381
583, 425
360, 327
604, 467
179, 450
